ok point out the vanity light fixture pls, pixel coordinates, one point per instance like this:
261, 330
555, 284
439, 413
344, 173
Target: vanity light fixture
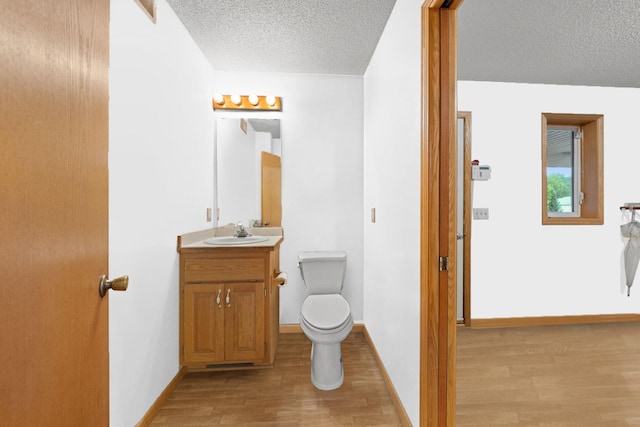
247, 102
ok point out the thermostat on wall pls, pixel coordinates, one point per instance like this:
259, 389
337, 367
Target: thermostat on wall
480, 172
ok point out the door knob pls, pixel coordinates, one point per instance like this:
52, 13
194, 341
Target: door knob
118, 284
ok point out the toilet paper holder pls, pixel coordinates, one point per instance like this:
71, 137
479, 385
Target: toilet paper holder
280, 278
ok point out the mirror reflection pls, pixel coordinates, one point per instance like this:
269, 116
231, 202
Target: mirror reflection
248, 164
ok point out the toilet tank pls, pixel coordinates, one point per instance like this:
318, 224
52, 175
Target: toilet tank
323, 271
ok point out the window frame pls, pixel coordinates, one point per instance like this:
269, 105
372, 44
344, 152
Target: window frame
590, 172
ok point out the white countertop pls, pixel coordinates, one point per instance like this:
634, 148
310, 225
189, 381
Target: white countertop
271, 241
197, 239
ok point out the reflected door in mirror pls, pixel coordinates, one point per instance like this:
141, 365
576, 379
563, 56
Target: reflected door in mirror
271, 190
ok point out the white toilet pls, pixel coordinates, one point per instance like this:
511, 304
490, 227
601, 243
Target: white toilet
325, 315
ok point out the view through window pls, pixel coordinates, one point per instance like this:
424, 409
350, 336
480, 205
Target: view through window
563, 170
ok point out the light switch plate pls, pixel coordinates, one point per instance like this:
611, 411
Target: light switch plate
480, 213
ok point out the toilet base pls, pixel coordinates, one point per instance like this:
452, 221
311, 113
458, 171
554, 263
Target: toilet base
327, 372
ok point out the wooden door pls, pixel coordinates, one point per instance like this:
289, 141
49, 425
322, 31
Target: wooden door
54, 59
244, 321
204, 323
271, 190
438, 214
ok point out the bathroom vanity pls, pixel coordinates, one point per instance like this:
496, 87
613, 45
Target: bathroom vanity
229, 298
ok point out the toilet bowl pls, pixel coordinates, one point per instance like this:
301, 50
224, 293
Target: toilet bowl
326, 320
325, 315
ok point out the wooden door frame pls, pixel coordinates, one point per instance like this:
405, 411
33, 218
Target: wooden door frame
467, 218
438, 317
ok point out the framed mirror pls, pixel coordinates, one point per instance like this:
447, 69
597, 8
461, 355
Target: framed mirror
248, 171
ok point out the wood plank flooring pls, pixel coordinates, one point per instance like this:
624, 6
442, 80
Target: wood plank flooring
573, 375
284, 396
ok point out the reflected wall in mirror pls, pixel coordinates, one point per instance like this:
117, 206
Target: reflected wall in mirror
240, 143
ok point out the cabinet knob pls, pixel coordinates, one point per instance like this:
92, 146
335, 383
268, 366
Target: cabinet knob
228, 298
218, 298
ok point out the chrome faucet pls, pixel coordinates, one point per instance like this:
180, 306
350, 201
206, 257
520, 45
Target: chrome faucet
241, 232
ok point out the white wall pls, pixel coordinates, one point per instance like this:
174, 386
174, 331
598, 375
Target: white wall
392, 186
321, 124
161, 182
519, 267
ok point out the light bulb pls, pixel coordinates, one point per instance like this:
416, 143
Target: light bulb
218, 98
253, 99
271, 100
235, 98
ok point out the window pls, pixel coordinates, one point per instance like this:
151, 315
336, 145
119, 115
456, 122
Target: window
564, 195
572, 169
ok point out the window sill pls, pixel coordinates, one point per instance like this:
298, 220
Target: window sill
571, 221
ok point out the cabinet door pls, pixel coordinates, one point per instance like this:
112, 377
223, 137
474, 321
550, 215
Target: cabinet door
244, 322
203, 323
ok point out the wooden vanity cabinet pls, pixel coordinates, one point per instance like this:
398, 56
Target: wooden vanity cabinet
229, 307
218, 332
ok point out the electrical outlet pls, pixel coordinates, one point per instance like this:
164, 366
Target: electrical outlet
480, 213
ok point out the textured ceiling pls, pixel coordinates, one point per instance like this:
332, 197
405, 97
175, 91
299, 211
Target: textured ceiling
578, 42
574, 42
294, 36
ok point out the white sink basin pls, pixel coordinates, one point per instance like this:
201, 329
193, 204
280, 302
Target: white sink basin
231, 240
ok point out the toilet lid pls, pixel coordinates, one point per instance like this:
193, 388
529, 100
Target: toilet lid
325, 311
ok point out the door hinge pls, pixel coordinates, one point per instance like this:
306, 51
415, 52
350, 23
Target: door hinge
444, 263
265, 292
